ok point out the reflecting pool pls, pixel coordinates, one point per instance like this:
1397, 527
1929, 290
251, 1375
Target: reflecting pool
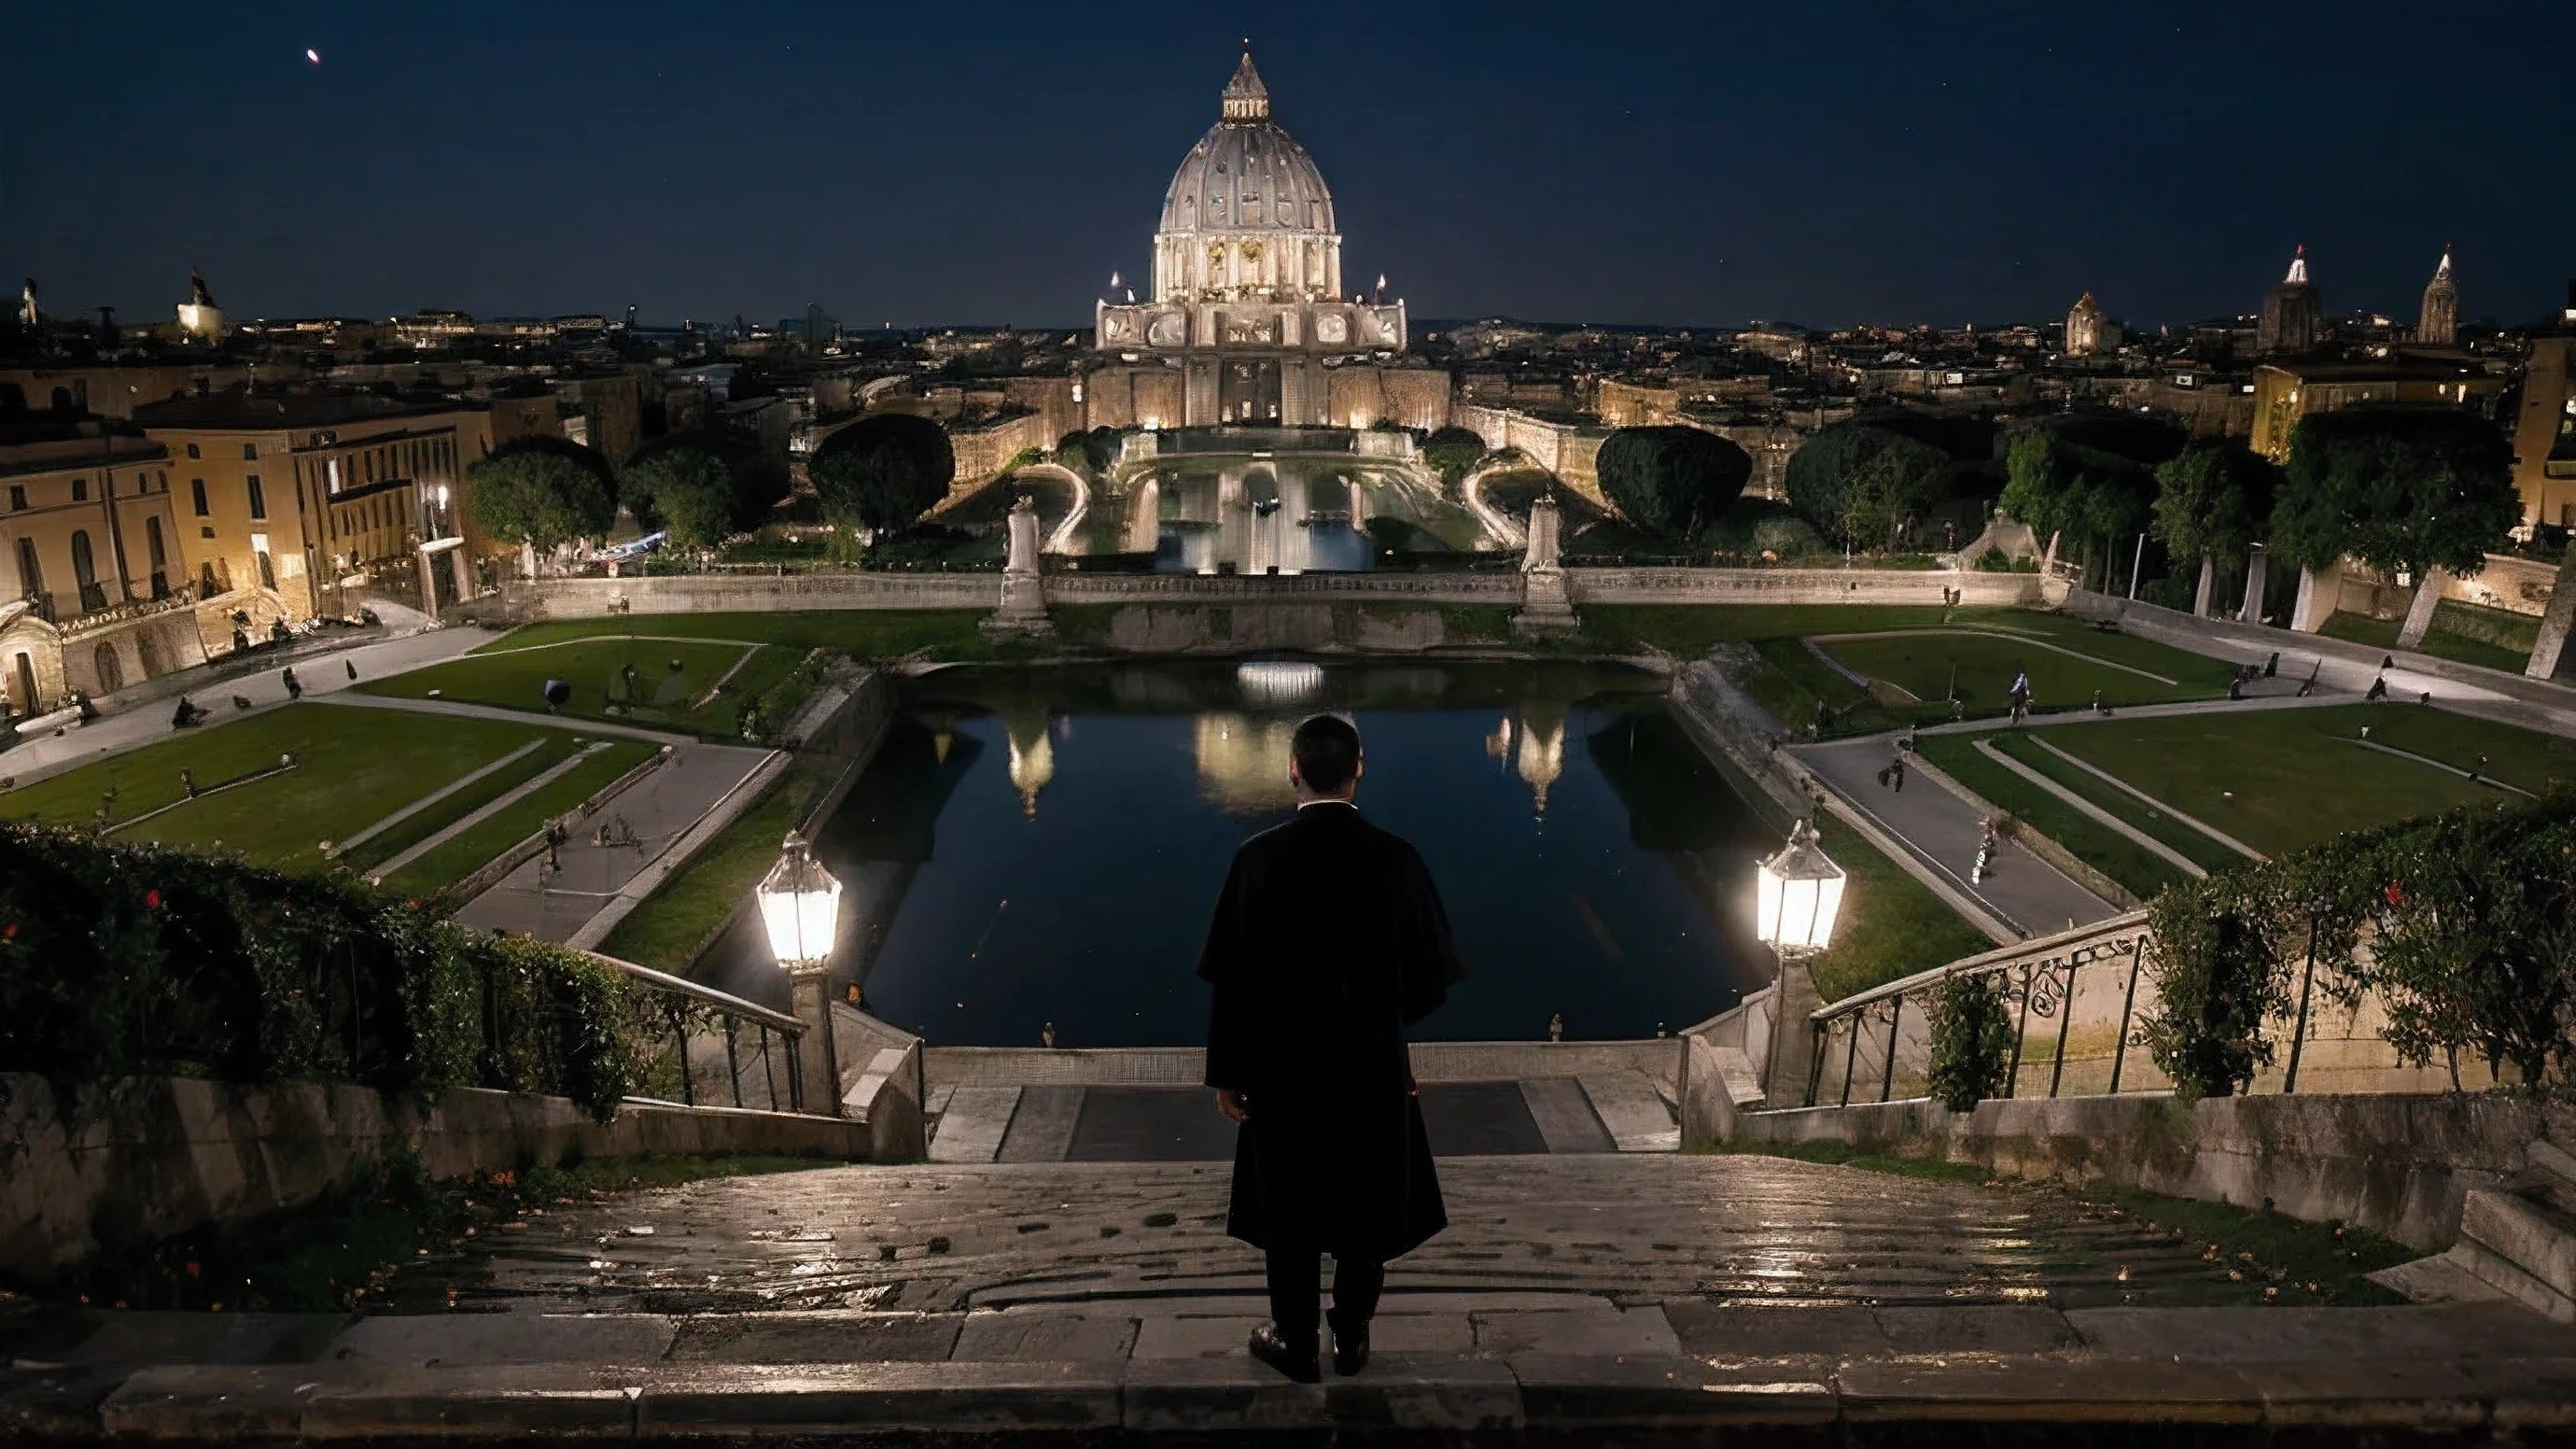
1042, 846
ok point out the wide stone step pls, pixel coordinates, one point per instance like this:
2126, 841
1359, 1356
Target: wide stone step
2521, 1247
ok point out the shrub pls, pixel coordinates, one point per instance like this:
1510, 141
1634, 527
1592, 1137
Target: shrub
129, 960
883, 471
1994, 561
2217, 979
1785, 538
1672, 481
1971, 1040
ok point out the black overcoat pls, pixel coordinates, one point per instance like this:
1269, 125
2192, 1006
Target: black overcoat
1329, 940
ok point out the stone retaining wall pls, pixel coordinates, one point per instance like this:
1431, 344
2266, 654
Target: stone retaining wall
2398, 1164
157, 1156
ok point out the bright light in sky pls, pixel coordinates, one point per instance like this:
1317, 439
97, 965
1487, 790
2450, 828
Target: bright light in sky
312, 55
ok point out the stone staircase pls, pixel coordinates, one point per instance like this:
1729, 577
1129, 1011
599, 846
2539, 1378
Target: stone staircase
2517, 1243
1608, 1298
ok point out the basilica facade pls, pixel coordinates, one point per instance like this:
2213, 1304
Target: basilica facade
1246, 320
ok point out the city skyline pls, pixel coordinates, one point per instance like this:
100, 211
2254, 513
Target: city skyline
997, 167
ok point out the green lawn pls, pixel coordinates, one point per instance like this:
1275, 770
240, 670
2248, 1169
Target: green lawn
2195, 844
613, 677
1924, 663
462, 855
2462, 633
2140, 870
2281, 779
1891, 924
866, 633
356, 767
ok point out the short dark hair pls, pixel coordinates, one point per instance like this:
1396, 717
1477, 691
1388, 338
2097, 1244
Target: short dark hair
1326, 749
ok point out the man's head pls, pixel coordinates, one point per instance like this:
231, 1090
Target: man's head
1324, 758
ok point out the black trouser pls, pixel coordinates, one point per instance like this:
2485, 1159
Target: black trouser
1297, 1287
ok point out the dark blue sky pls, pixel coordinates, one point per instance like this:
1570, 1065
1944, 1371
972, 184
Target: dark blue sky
1702, 163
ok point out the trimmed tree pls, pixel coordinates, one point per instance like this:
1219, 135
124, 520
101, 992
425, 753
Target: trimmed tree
1672, 481
1452, 451
2211, 501
2087, 494
703, 486
2405, 490
542, 491
1859, 482
883, 471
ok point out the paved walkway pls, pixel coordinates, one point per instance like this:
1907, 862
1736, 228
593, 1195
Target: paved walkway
554, 904
323, 675
1945, 830
461, 709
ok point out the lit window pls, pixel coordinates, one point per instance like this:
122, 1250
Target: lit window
80, 490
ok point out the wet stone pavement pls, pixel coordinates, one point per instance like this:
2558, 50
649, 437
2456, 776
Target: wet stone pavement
1630, 1231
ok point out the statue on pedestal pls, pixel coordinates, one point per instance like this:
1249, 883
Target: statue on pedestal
1546, 607
1023, 610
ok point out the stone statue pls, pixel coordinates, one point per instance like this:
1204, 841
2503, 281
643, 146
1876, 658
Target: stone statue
197, 292
1541, 553
27, 313
1023, 557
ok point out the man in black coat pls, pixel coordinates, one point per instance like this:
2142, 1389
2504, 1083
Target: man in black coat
1329, 940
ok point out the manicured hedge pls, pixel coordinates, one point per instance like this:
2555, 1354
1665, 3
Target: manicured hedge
128, 960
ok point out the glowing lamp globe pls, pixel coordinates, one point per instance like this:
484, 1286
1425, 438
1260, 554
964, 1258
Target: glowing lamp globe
800, 904
1797, 894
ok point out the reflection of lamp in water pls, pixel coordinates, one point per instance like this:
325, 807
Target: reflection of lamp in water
1032, 760
1278, 681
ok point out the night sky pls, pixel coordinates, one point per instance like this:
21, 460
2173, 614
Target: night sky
965, 163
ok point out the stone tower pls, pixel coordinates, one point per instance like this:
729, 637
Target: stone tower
2087, 331
2439, 322
2292, 314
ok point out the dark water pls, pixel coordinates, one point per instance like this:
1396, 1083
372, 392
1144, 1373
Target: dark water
1038, 846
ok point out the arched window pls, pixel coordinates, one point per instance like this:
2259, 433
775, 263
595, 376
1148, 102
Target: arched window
31, 577
85, 572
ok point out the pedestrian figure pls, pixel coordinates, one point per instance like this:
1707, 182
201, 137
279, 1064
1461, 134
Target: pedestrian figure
350, 665
2378, 690
1046, 1036
187, 781
2272, 666
2236, 689
1328, 940
1896, 773
1556, 1026
293, 690
2097, 703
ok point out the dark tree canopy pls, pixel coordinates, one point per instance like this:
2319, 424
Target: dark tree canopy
704, 486
2084, 493
2213, 499
1671, 481
1093, 450
1452, 451
2134, 436
2403, 489
543, 491
1859, 482
883, 471
1966, 439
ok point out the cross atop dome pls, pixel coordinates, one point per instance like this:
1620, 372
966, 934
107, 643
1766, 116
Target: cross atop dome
1247, 100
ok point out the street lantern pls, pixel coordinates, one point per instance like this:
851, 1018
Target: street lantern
1798, 892
800, 903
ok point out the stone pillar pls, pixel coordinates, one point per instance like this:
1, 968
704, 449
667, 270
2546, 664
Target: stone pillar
818, 1061
1793, 1035
1546, 606
2550, 656
2318, 591
1023, 611
466, 588
2208, 586
428, 563
2419, 614
2258, 562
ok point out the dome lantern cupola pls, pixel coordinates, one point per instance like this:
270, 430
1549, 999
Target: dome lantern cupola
1247, 100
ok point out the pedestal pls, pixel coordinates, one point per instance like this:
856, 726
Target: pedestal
1023, 612
2550, 656
2208, 586
818, 1062
1793, 1036
2419, 613
2319, 590
1546, 608
2257, 575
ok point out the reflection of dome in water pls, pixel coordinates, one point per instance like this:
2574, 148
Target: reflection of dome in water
1032, 761
1279, 681
1534, 746
1243, 763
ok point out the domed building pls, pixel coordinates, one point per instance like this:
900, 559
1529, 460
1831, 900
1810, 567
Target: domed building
1247, 302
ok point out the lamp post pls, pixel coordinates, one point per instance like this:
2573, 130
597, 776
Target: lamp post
800, 907
1798, 893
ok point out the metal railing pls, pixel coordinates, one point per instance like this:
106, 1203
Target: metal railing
2072, 998
683, 1013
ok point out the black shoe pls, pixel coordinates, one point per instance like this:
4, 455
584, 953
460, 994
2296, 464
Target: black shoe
1300, 1365
1350, 1350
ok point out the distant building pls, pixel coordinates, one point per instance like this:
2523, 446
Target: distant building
94, 595
2089, 333
200, 320
2293, 316
2439, 321
2285, 392
2544, 434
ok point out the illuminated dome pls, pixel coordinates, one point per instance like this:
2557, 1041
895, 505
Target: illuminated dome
1247, 214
